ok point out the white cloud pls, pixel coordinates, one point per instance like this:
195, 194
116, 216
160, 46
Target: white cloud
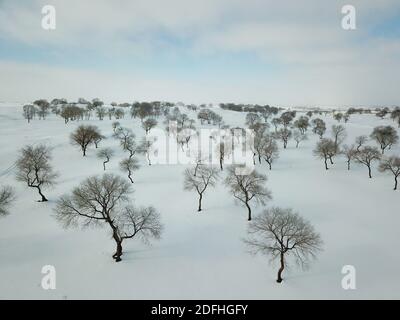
319, 63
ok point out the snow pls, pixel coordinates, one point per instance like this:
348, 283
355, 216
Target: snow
200, 256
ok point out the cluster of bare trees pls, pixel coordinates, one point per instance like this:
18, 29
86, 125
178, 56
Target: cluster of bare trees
385, 136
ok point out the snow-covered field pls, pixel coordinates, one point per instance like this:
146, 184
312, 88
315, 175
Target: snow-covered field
200, 256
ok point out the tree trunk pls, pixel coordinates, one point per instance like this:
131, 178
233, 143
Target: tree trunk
330, 159
326, 164
41, 194
220, 164
84, 151
200, 198
369, 172
249, 211
348, 164
259, 159
118, 253
395, 183
279, 280
130, 176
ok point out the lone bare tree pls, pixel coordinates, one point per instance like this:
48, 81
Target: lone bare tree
319, 127
339, 134
282, 235
34, 168
115, 125
29, 112
360, 141
205, 176
349, 152
129, 165
7, 196
270, 151
83, 136
298, 136
104, 199
123, 135
149, 124
146, 147
247, 187
223, 149
366, 156
105, 154
283, 134
325, 149
97, 137
391, 164
385, 136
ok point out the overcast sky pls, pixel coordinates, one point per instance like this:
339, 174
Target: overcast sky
254, 51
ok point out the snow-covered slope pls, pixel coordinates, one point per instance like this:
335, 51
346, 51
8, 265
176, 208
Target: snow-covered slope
200, 255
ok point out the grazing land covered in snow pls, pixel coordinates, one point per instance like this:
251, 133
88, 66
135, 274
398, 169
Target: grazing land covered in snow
200, 255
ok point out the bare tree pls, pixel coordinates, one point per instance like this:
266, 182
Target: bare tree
283, 134
34, 168
146, 146
298, 136
349, 152
104, 199
130, 145
366, 156
319, 127
115, 125
391, 164
302, 123
83, 136
270, 150
43, 106
325, 149
7, 196
105, 154
199, 163
130, 164
101, 112
385, 136
248, 187
339, 134
223, 149
360, 141
123, 135
149, 124
252, 118
284, 235
29, 112
97, 137
205, 176
259, 140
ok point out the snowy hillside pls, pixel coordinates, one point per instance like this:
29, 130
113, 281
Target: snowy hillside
200, 255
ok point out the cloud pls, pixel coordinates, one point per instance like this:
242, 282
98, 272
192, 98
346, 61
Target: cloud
307, 57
